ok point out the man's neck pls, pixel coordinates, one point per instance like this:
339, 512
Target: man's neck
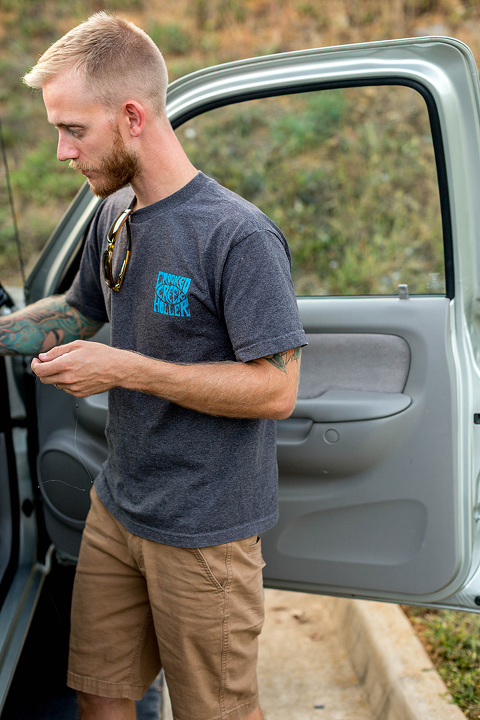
164, 166
152, 191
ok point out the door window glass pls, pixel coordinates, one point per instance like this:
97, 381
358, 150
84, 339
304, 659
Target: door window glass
349, 176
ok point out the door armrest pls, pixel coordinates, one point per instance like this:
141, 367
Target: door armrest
350, 405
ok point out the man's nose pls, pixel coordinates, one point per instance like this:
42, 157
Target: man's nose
66, 149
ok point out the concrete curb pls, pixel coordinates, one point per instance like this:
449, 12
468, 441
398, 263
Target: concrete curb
390, 661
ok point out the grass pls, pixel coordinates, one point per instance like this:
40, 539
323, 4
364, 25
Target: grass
452, 639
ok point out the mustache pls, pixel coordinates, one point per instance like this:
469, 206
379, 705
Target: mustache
74, 165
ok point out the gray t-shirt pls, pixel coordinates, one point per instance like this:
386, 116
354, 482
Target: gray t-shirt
208, 280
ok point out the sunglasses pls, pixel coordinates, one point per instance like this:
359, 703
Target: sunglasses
108, 254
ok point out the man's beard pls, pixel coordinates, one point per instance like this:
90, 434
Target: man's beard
117, 168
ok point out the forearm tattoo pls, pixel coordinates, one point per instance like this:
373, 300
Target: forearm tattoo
39, 327
281, 360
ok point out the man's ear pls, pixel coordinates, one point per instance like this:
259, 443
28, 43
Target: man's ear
134, 116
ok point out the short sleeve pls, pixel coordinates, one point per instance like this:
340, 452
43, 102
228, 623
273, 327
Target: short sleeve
259, 303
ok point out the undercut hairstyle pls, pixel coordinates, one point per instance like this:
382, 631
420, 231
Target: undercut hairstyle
115, 58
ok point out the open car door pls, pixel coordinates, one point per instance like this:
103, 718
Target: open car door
368, 158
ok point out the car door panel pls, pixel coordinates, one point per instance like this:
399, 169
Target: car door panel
8, 531
72, 450
368, 504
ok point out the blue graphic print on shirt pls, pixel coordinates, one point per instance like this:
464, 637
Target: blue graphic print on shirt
171, 295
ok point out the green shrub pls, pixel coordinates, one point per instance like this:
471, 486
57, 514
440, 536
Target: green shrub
170, 38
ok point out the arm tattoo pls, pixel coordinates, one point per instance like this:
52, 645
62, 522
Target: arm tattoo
39, 327
281, 360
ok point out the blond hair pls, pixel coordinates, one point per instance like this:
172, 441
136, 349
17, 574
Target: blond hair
115, 58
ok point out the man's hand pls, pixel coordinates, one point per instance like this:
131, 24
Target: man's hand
80, 368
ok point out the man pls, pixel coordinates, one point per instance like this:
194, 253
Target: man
204, 357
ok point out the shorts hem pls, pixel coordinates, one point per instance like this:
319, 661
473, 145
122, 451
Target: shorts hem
103, 688
240, 712
236, 713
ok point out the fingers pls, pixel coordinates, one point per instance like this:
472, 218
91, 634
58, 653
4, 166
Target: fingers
44, 366
57, 351
44, 371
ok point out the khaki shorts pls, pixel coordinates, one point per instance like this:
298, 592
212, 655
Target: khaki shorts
139, 606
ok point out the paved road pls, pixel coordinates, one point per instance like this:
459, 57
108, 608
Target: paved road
304, 671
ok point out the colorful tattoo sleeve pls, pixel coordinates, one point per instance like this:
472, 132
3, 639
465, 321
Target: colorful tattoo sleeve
39, 327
